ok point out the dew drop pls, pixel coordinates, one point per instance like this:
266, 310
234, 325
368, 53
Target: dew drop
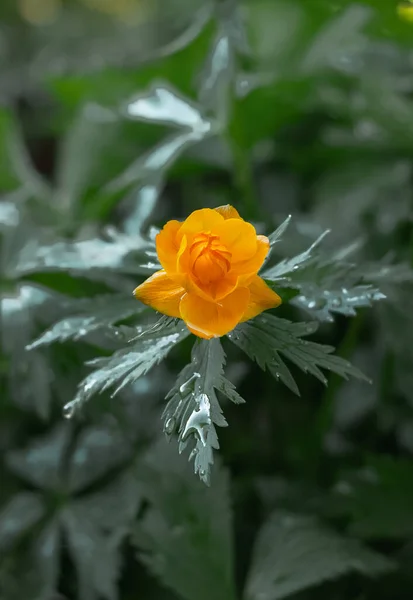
184, 387
202, 472
336, 302
320, 303
170, 425
69, 409
193, 454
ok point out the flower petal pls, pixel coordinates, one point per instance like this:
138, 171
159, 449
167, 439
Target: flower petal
251, 266
212, 319
214, 291
262, 297
167, 245
161, 293
239, 237
228, 212
203, 220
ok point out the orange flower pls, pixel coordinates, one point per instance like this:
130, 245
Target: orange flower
209, 277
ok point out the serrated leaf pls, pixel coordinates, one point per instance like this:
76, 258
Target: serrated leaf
40, 463
288, 265
322, 303
87, 258
127, 365
193, 408
266, 337
94, 313
162, 104
331, 284
294, 552
276, 236
185, 536
22, 512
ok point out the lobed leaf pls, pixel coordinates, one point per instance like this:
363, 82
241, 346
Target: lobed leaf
94, 313
185, 535
147, 349
193, 409
295, 552
266, 337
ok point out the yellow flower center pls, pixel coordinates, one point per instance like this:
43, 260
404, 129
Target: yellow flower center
210, 260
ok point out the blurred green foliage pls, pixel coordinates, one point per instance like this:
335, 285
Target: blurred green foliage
116, 120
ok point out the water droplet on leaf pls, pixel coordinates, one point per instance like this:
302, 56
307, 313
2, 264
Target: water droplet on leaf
184, 387
170, 425
69, 410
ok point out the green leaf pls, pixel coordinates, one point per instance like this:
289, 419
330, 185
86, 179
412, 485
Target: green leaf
158, 160
40, 463
36, 572
95, 526
288, 265
164, 105
98, 450
80, 153
22, 512
339, 43
92, 258
185, 536
294, 552
94, 313
266, 337
389, 481
127, 365
193, 408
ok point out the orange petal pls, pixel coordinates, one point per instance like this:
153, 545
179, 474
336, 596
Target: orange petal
203, 220
167, 245
161, 293
239, 237
262, 297
212, 319
228, 212
251, 266
214, 291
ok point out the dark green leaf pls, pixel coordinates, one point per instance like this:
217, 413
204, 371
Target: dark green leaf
193, 409
185, 536
266, 337
22, 512
95, 313
293, 553
147, 349
40, 463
